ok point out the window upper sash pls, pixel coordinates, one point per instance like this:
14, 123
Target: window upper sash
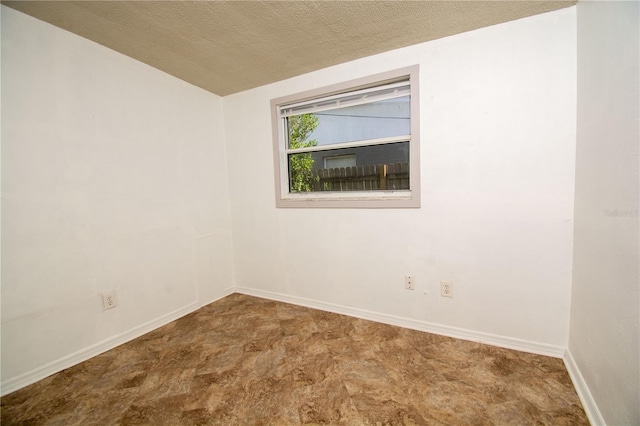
343, 100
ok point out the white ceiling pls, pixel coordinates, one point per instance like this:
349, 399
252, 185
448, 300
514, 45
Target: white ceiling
231, 46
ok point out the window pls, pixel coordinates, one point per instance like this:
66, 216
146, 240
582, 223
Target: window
337, 161
349, 145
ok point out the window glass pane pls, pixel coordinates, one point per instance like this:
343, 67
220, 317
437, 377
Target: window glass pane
333, 161
377, 168
299, 130
381, 119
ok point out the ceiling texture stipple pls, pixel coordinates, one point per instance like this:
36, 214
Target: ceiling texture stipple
230, 46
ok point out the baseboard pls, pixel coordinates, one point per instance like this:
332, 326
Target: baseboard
588, 403
226, 292
40, 373
459, 333
77, 357
46, 370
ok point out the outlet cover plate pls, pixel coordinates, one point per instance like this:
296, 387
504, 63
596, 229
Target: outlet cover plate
109, 300
410, 282
446, 289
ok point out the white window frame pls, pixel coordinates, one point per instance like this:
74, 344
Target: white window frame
348, 199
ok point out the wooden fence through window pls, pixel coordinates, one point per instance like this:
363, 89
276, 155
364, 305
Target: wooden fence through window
373, 177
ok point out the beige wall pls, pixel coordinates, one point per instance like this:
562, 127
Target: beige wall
113, 176
497, 123
605, 321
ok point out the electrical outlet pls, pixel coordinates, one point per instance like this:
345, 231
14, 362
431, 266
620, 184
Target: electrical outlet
410, 282
446, 289
109, 300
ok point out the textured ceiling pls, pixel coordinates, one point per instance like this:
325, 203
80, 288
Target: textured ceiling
230, 46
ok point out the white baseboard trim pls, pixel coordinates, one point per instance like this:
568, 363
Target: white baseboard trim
226, 292
18, 382
588, 403
459, 333
25, 379
77, 357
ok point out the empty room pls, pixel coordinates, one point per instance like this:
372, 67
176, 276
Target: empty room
320, 212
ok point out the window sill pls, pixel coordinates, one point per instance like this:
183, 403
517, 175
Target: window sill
360, 199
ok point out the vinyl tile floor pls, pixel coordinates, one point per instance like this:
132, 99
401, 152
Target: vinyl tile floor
248, 361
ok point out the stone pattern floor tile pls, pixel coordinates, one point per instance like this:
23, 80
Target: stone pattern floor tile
248, 361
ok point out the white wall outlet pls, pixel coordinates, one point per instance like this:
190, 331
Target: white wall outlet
446, 289
410, 282
109, 300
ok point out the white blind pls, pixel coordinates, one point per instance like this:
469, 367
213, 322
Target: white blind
343, 100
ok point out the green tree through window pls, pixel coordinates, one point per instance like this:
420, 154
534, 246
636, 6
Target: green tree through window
300, 165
